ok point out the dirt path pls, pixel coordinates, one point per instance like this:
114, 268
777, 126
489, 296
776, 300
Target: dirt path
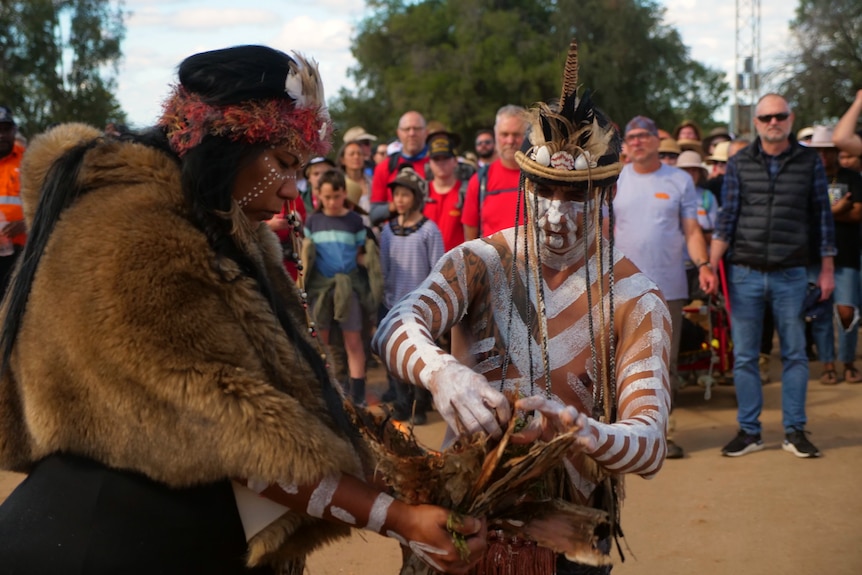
766, 513
763, 514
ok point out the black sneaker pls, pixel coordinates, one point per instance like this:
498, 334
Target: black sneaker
796, 443
742, 444
674, 451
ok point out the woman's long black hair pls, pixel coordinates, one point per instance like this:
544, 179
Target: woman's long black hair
208, 172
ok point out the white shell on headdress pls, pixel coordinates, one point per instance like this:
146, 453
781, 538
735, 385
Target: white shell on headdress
581, 162
543, 156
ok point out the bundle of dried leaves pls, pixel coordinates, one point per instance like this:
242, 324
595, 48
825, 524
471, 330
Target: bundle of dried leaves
520, 489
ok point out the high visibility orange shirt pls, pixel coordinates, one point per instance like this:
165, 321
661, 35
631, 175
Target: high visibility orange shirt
10, 189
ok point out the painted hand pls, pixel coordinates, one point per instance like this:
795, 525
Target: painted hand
465, 400
552, 417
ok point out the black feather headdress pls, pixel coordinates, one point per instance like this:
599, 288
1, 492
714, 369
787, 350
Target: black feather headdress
570, 141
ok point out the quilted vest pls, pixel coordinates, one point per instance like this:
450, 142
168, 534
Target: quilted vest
774, 227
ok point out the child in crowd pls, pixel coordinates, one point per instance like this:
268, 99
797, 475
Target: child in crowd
409, 247
707, 212
333, 253
314, 169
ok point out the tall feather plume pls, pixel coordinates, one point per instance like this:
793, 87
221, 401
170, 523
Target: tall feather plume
569, 96
570, 73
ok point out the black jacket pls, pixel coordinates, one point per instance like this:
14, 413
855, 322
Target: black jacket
775, 228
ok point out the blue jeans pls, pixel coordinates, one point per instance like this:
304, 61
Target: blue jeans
846, 294
750, 292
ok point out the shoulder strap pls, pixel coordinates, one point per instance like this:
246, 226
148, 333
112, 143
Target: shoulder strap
393, 161
483, 190
462, 193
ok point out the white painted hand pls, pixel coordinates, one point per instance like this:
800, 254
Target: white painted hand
553, 417
465, 400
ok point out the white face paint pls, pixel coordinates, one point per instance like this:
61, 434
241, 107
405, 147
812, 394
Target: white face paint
557, 223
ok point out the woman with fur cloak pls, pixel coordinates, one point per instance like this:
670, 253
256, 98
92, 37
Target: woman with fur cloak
159, 382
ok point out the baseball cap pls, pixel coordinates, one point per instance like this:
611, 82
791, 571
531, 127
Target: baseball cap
442, 145
314, 162
6, 116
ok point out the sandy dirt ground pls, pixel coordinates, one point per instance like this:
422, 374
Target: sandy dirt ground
765, 513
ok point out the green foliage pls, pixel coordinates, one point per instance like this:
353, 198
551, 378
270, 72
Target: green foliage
58, 60
823, 69
458, 61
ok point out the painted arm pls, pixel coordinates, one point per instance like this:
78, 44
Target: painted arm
405, 343
348, 500
636, 443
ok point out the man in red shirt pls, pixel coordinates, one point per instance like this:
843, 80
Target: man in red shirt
12, 227
412, 133
445, 190
492, 196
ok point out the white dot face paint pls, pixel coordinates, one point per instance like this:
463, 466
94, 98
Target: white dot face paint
271, 178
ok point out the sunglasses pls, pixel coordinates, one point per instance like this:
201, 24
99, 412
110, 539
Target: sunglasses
666, 155
766, 118
484, 142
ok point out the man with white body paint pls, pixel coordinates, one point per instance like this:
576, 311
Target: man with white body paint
535, 320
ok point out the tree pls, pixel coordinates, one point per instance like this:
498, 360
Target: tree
457, 61
823, 70
58, 61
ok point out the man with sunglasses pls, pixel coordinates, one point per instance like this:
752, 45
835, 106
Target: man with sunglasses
775, 213
486, 151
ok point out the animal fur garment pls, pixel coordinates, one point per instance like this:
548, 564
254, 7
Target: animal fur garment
142, 349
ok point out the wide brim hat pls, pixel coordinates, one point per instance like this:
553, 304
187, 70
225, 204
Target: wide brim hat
358, 134
668, 146
821, 138
805, 132
721, 152
693, 145
715, 133
571, 142
691, 159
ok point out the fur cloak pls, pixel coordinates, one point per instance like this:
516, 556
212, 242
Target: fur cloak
141, 349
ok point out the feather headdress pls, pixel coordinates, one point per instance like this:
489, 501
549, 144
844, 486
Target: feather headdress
299, 117
571, 141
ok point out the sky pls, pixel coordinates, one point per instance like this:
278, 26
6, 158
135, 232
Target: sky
160, 33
